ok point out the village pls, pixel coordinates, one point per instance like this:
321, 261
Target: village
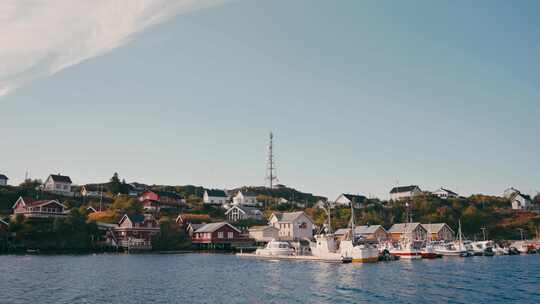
244, 219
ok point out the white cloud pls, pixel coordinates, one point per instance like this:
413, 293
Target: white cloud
41, 37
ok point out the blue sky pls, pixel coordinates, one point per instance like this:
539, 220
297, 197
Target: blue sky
359, 94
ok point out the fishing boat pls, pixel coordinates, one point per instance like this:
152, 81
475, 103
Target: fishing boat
484, 248
428, 249
276, 248
357, 248
406, 247
456, 248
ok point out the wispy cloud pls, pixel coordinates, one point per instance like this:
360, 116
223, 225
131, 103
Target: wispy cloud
41, 37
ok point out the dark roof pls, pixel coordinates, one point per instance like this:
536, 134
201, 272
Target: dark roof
246, 209
2, 176
61, 178
216, 193
136, 218
355, 198
403, 189
449, 191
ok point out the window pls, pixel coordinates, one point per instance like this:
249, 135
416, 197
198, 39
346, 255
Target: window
230, 235
220, 234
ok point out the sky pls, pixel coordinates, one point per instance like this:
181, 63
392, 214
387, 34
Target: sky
361, 95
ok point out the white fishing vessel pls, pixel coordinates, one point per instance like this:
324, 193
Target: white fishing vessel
276, 248
456, 248
406, 247
484, 248
358, 249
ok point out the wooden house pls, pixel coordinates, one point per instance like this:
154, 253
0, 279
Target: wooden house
220, 235
135, 232
413, 230
31, 208
440, 232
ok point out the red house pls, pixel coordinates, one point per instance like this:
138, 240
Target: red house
38, 208
220, 235
154, 200
135, 232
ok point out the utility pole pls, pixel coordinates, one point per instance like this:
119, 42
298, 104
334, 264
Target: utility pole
521, 231
271, 175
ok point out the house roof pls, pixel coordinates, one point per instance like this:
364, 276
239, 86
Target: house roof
245, 209
2, 176
60, 178
403, 189
435, 228
247, 193
212, 227
360, 229
260, 228
368, 229
403, 227
289, 216
446, 190
216, 193
135, 218
354, 198
28, 201
524, 196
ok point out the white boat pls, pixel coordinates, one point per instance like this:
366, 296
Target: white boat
406, 249
358, 249
456, 248
483, 248
276, 248
500, 250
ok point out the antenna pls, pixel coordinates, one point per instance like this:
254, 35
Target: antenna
271, 175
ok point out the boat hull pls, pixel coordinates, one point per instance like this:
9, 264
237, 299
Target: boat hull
407, 255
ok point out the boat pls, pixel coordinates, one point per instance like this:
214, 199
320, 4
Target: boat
428, 250
357, 248
276, 248
406, 247
456, 248
484, 248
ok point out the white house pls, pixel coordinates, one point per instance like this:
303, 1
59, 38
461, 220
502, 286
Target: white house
444, 193
404, 192
292, 225
263, 233
245, 198
521, 201
215, 197
91, 190
346, 199
3, 180
58, 184
240, 212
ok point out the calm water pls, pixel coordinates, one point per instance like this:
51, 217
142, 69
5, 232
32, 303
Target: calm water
215, 278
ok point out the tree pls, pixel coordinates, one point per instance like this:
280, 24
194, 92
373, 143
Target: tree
30, 183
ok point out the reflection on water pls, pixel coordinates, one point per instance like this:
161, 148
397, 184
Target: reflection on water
214, 278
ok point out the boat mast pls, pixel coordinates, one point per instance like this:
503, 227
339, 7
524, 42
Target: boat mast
352, 220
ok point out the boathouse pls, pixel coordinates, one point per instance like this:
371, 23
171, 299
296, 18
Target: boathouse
222, 236
413, 230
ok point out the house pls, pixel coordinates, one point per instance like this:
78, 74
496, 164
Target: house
164, 199
346, 200
520, 201
59, 184
263, 234
404, 192
151, 205
135, 232
220, 235
215, 197
91, 190
192, 227
440, 232
372, 232
245, 198
240, 212
3, 180
413, 230
137, 188
38, 208
444, 193
292, 225
369, 232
